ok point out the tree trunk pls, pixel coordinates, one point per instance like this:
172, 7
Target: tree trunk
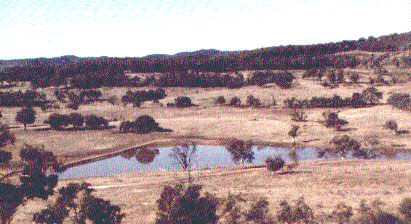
25, 126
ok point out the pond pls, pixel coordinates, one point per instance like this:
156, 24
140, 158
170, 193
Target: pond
205, 157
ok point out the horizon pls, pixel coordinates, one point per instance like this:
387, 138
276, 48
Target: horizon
140, 28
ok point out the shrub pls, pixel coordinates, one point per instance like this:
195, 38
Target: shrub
238, 209
391, 125
6, 137
332, 120
342, 214
95, 122
58, 121
274, 164
299, 213
298, 115
293, 133
220, 100
354, 77
5, 156
371, 95
400, 100
405, 208
183, 101
252, 101
26, 116
184, 204
241, 151
235, 101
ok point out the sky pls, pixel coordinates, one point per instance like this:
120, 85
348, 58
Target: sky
135, 28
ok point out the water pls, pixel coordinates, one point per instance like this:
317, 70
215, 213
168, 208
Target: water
206, 157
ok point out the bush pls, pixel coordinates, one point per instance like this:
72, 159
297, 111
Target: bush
342, 213
58, 121
405, 208
183, 101
333, 121
274, 164
252, 101
299, 213
220, 100
184, 204
298, 115
400, 100
238, 209
391, 125
5, 156
95, 122
235, 101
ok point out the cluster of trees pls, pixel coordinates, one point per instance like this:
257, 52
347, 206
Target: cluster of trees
187, 202
77, 121
141, 125
20, 99
282, 79
370, 96
236, 101
138, 97
199, 79
37, 178
74, 100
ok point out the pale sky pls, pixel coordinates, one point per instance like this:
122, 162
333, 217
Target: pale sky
134, 28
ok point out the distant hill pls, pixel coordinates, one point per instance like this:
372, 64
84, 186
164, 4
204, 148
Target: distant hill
54, 71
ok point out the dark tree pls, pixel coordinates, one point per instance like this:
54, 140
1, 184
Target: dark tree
95, 122
253, 101
58, 121
184, 205
235, 101
26, 116
293, 133
332, 120
341, 145
76, 119
183, 101
220, 100
274, 164
241, 151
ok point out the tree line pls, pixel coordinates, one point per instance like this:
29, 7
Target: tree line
107, 71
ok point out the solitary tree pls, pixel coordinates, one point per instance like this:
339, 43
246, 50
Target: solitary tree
185, 155
293, 133
341, 145
26, 116
241, 151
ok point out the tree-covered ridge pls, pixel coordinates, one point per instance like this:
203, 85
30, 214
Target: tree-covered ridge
109, 71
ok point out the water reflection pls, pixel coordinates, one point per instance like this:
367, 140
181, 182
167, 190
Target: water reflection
142, 155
